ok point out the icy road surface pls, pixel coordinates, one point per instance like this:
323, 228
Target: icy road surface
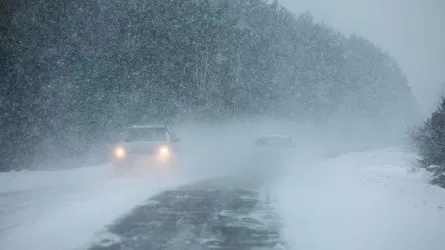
366, 201
204, 215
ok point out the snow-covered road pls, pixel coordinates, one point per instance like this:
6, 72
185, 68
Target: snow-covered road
64, 209
368, 200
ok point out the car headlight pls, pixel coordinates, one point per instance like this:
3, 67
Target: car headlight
164, 152
120, 153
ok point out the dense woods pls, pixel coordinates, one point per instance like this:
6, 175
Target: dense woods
74, 71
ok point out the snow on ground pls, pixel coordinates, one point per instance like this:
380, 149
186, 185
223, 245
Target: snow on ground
56, 210
368, 200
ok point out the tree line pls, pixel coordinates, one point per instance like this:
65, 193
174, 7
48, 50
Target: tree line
72, 72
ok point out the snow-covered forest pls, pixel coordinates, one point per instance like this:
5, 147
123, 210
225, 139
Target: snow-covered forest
72, 72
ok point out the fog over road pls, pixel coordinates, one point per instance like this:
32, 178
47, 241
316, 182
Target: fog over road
321, 198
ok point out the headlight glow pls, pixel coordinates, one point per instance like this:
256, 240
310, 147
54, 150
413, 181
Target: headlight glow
120, 153
164, 152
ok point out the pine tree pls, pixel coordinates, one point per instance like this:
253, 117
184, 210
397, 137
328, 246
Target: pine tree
429, 140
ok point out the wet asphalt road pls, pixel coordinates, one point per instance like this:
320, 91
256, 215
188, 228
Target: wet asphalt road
216, 214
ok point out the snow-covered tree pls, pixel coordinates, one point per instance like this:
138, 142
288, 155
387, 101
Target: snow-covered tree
429, 140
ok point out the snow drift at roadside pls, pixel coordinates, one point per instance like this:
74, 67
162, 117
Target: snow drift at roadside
368, 200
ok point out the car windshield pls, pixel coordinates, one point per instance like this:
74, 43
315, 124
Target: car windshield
145, 134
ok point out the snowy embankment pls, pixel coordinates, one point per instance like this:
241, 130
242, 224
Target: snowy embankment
368, 200
55, 210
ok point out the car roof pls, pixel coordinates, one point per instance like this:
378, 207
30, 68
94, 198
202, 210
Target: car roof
148, 126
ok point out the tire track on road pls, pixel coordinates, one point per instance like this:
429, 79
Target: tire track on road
201, 216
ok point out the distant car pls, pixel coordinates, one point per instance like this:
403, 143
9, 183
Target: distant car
145, 146
270, 153
274, 141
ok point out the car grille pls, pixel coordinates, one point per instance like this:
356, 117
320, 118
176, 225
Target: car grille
142, 151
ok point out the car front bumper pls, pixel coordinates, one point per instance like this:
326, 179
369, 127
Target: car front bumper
147, 160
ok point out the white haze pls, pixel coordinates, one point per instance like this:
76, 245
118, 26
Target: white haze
73, 206
225, 148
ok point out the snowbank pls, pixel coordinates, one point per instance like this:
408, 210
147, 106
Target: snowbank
56, 210
368, 200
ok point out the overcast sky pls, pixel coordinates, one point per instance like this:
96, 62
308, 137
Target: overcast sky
412, 31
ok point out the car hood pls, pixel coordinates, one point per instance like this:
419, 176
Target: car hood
143, 147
